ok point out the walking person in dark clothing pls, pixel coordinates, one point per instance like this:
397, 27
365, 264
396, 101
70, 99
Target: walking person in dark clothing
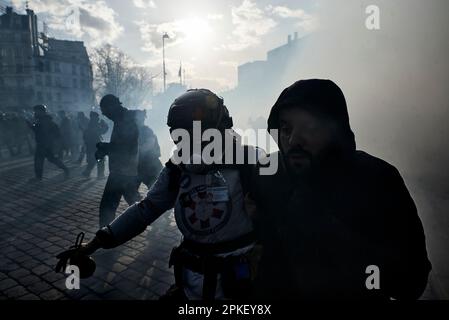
122, 152
335, 223
80, 127
66, 135
149, 165
46, 132
93, 135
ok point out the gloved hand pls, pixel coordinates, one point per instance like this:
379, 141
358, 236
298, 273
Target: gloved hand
101, 151
99, 155
78, 255
102, 146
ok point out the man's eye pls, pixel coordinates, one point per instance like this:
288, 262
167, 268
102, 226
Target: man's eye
310, 128
286, 130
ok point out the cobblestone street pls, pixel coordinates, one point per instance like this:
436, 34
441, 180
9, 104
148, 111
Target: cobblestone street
38, 220
41, 219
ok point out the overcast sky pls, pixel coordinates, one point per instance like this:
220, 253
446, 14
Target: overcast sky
210, 37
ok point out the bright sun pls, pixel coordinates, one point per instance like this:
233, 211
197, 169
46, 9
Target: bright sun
197, 31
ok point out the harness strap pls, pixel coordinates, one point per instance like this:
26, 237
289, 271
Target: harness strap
187, 256
206, 249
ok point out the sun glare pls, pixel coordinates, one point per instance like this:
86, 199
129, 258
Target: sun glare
197, 31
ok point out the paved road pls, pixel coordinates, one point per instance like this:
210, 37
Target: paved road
39, 220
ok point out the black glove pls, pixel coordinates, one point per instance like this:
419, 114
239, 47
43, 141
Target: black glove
101, 151
102, 146
77, 255
99, 155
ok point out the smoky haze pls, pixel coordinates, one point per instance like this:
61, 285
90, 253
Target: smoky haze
395, 79
396, 85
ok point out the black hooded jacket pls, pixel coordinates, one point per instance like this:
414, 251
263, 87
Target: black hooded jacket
321, 235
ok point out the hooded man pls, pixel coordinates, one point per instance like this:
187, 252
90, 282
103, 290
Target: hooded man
335, 223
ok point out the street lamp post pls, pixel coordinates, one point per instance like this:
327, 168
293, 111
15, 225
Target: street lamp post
164, 36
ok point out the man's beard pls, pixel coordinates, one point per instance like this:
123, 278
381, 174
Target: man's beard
298, 169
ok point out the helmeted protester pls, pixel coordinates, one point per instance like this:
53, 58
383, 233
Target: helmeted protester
46, 133
66, 135
80, 126
216, 258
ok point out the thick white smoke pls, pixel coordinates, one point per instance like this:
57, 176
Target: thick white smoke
395, 79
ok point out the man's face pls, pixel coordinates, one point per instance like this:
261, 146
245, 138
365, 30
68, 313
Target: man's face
109, 111
302, 138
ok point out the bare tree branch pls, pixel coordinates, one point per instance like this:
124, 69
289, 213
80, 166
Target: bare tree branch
117, 74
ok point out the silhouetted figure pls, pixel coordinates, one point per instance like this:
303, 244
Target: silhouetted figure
215, 259
11, 134
24, 134
149, 165
2, 132
46, 132
66, 137
80, 124
331, 213
92, 135
122, 152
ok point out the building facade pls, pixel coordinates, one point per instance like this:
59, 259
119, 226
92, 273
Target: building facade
260, 82
35, 69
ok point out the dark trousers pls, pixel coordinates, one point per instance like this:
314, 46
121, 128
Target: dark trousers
92, 162
116, 187
40, 155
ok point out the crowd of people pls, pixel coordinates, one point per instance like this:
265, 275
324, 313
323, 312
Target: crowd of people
17, 138
65, 138
312, 230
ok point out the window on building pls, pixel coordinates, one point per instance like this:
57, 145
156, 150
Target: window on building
49, 96
2, 82
47, 66
40, 66
19, 68
39, 97
58, 96
20, 83
75, 83
17, 52
57, 67
48, 81
73, 69
58, 82
38, 79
